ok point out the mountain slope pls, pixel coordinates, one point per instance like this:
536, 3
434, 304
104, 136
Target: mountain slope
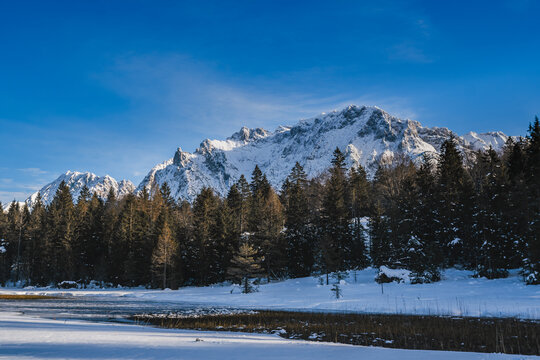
100, 185
367, 136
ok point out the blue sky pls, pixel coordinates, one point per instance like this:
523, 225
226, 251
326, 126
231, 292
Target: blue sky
113, 87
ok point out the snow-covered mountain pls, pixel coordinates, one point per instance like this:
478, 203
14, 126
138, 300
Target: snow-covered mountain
367, 135
6, 206
100, 185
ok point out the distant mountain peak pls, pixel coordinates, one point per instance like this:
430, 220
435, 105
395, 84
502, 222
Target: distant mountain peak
246, 134
75, 180
366, 134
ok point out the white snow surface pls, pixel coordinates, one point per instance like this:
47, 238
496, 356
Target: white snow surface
457, 294
100, 185
367, 136
25, 337
401, 274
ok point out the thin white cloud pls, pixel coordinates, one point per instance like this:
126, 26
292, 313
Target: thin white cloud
8, 196
180, 92
33, 171
408, 52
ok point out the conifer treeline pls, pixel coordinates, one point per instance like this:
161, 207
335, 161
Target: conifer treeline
481, 214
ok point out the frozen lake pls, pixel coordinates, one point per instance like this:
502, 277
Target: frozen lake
111, 308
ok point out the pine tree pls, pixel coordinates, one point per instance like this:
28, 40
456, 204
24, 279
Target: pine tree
450, 208
244, 266
82, 237
61, 235
227, 240
299, 234
516, 214
205, 209
114, 251
97, 250
34, 253
164, 254
245, 193
426, 257
166, 195
183, 229
379, 237
268, 236
393, 185
532, 179
147, 220
359, 204
4, 263
336, 239
494, 251
265, 225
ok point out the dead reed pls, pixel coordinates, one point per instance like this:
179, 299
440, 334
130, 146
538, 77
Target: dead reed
505, 335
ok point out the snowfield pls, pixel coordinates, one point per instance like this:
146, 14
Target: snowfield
25, 337
457, 294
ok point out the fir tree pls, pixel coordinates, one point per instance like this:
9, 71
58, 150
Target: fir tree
516, 214
61, 235
532, 179
336, 245
426, 256
450, 207
379, 237
244, 266
37, 240
205, 210
4, 263
299, 234
359, 203
494, 250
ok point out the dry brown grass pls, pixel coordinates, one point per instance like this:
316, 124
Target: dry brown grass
27, 297
506, 335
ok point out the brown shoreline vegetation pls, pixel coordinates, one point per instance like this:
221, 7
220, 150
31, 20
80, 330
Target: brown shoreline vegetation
487, 335
26, 297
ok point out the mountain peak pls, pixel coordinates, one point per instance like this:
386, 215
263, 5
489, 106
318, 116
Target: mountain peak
246, 134
75, 180
366, 134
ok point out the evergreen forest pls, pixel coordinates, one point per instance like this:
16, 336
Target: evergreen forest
479, 212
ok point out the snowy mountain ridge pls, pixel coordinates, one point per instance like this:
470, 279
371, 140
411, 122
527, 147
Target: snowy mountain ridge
366, 135
100, 185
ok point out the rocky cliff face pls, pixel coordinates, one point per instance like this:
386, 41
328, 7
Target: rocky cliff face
367, 136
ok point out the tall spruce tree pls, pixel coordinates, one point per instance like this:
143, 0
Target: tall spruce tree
359, 203
4, 263
495, 249
450, 208
299, 233
205, 211
244, 266
426, 256
336, 239
36, 233
61, 235
532, 179
379, 236
516, 215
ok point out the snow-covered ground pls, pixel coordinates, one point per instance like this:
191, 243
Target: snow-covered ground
457, 294
25, 337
